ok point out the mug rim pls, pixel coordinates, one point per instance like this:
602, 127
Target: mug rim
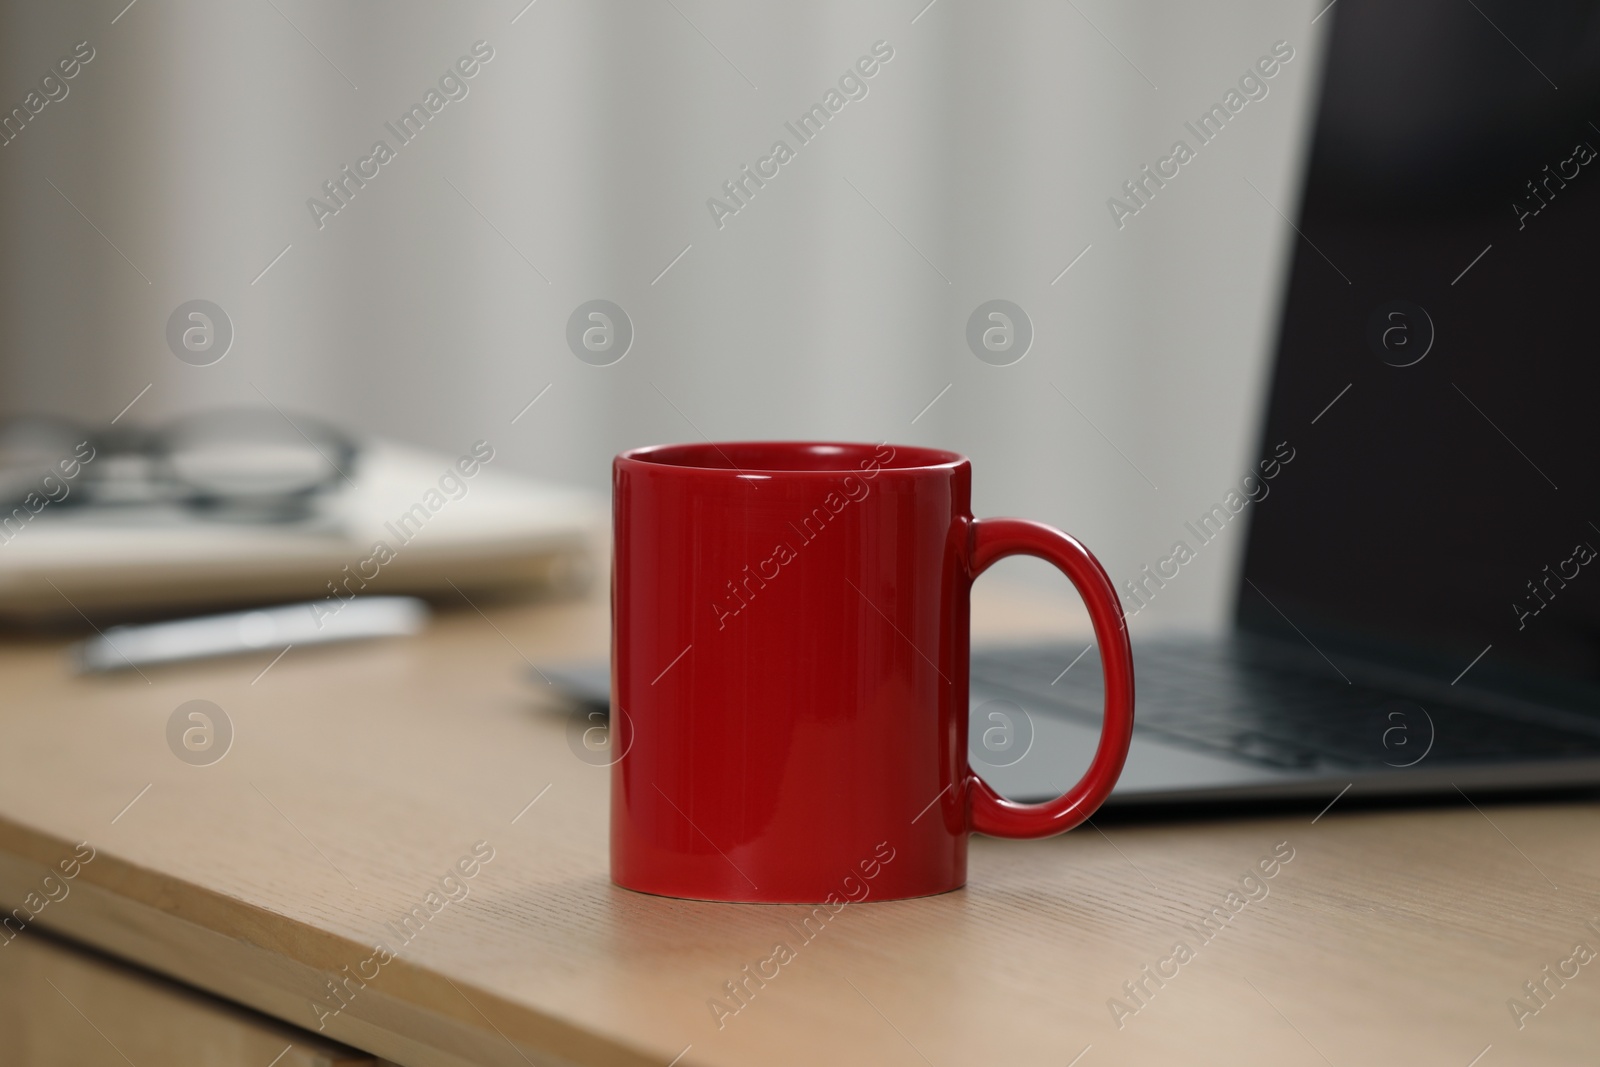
713, 458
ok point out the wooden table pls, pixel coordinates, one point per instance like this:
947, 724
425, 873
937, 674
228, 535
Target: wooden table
358, 777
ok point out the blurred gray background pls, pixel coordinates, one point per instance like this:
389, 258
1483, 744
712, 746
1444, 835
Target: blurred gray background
434, 306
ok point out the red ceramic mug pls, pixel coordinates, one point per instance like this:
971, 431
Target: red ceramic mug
789, 672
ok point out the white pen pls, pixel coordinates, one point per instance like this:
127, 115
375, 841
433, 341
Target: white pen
220, 635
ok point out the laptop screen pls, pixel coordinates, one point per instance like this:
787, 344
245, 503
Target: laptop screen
1438, 367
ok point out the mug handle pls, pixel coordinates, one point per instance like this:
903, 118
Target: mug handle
989, 812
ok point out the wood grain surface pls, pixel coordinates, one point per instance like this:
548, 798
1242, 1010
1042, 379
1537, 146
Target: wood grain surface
358, 777
64, 1006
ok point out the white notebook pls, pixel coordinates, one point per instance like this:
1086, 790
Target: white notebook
401, 527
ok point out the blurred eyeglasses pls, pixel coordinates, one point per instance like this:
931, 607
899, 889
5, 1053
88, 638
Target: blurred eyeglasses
244, 464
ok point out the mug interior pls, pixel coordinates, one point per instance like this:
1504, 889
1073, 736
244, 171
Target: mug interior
792, 456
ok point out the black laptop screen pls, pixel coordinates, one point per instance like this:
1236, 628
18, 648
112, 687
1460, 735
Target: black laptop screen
1438, 369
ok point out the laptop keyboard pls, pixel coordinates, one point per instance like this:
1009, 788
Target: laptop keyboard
1276, 709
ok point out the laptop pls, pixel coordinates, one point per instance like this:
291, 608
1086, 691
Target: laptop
1418, 609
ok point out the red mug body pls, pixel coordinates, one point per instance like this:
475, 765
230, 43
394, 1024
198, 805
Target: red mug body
789, 673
